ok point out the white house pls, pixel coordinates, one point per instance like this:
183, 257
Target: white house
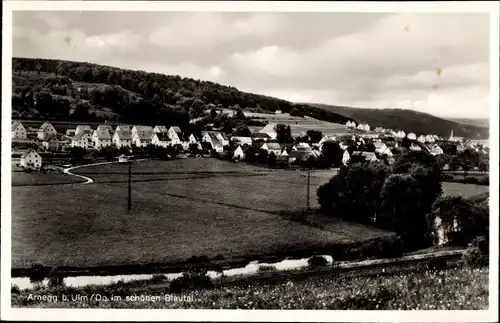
278, 112
364, 127
216, 145
430, 138
141, 139
303, 145
18, 131
411, 136
144, 129
122, 138
175, 133
161, 139
369, 156
192, 139
160, 129
51, 143
346, 157
436, 150
239, 153
82, 129
350, 124
382, 149
101, 138
415, 147
31, 159
269, 130
82, 140
46, 130
327, 138
272, 147
209, 135
421, 139
242, 140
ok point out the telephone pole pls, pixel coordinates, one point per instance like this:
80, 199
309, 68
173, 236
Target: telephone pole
308, 188
129, 207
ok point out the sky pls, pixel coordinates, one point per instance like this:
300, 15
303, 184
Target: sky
436, 63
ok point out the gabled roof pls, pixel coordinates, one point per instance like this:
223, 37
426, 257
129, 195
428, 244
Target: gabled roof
366, 154
260, 135
80, 135
176, 129
45, 125
28, 152
143, 129
84, 128
161, 128
105, 127
143, 136
15, 123
123, 128
103, 134
215, 142
243, 140
163, 136
124, 135
269, 128
272, 145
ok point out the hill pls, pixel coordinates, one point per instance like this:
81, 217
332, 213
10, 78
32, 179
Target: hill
409, 121
483, 122
66, 90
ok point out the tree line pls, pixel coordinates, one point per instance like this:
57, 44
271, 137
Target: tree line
146, 98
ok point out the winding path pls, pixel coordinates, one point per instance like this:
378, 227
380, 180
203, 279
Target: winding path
89, 180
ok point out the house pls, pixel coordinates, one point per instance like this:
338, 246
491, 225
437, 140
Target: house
46, 130
31, 159
82, 140
411, 136
258, 136
430, 138
70, 132
382, 149
301, 155
346, 157
101, 137
51, 143
216, 145
209, 135
436, 150
123, 128
122, 158
269, 130
363, 127
350, 124
415, 147
303, 145
160, 129
239, 153
185, 142
272, 147
122, 138
242, 140
148, 130
141, 139
193, 140
83, 128
326, 138
369, 156
421, 139
161, 139
18, 131
278, 112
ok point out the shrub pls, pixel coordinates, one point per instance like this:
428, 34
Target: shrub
38, 273
317, 261
475, 259
56, 279
195, 278
14, 289
266, 268
157, 278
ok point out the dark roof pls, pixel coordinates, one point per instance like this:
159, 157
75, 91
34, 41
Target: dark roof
260, 135
124, 135
163, 136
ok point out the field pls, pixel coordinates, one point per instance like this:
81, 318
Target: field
180, 209
452, 289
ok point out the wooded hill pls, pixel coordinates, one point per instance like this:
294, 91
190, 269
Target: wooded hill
66, 90
409, 121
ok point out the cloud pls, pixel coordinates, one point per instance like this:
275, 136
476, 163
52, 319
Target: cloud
359, 59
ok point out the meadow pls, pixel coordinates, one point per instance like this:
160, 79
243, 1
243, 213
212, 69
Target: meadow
460, 288
180, 209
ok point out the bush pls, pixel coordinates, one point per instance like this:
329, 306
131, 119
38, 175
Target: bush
158, 278
195, 278
317, 261
266, 268
475, 259
56, 279
14, 289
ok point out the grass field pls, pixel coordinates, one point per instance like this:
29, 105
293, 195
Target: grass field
180, 209
452, 289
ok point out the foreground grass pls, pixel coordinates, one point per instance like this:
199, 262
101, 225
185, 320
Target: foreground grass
451, 289
20, 178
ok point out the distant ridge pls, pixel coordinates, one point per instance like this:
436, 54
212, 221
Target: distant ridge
409, 121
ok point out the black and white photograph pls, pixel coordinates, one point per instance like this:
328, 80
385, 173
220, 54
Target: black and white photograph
240, 157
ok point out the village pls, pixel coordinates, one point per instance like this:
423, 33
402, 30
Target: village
356, 141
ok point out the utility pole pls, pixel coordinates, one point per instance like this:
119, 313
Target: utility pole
308, 188
129, 207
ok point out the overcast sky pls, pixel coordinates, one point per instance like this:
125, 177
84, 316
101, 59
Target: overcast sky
438, 63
